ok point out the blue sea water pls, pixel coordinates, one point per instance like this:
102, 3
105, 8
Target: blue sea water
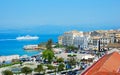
10, 46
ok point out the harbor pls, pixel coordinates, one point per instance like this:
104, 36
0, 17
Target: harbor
59, 37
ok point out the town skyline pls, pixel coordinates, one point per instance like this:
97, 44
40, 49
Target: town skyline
59, 37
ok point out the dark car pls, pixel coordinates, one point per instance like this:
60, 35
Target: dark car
71, 73
38, 74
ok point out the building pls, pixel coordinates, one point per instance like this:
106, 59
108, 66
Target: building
68, 37
104, 41
107, 65
8, 58
94, 42
112, 36
113, 45
60, 40
117, 35
75, 38
81, 42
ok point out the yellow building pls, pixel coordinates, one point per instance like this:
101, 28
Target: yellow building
60, 40
117, 37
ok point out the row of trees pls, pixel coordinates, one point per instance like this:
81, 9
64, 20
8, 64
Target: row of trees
71, 48
39, 69
55, 69
25, 70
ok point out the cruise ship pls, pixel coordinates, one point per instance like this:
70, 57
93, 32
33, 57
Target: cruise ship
27, 37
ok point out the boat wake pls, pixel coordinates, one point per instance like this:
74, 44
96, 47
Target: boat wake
7, 39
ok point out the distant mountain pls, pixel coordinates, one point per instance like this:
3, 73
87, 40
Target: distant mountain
55, 29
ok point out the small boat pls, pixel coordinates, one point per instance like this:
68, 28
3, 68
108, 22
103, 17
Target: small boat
31, 47
27, 37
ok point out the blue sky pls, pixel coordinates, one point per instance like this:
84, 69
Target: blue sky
18, 14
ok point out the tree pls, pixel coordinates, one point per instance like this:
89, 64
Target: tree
49, 44
26, 70
72, 61
58, 46
21, 63
61, 67
71, 48
7, 72
15, 60
48, 55
50, 67
60, 60
39, 68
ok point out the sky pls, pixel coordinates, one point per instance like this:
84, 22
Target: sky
58, 15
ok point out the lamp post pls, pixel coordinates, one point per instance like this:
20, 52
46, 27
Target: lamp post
99, 50
99, 45
55, 69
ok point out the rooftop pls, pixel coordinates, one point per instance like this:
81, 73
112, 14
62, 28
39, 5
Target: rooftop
107, 65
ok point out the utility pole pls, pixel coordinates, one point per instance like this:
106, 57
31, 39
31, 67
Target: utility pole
99, 46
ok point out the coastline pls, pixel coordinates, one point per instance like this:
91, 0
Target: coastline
12, 47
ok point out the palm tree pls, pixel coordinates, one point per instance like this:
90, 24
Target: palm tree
48, 55
60, 60
71, 48
61, 67
58, 46
7, 72
26, 70
49, 44
72, 60
39, 68
50, 67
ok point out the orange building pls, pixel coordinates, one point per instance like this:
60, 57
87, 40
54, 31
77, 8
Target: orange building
109, 64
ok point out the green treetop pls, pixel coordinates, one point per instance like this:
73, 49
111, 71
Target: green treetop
49, 44
26, 70
7, 72
39, 68
48, 55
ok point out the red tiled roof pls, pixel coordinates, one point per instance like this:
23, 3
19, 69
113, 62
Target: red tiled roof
107, 65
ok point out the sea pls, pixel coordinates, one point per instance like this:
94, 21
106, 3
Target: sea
10, 46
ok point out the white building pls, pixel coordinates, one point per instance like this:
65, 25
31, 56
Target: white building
81, 42
8, 58
94, 42
104, 41
75, 38
68, 37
